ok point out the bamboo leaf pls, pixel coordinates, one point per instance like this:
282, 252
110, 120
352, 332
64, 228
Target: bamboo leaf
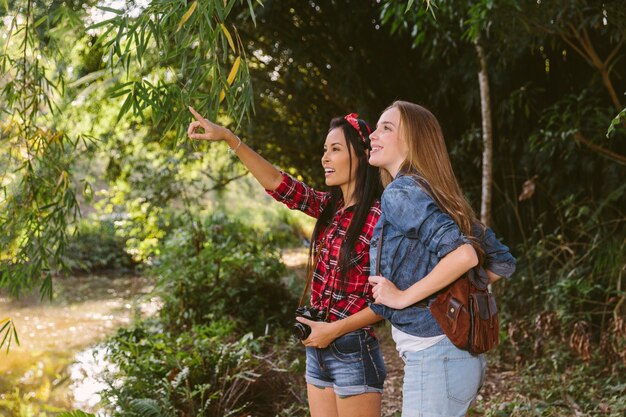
233, 71
251, 7
231, 77
110, 9
230, 38
107, 22
5, 335
187, 15
41, 20
17, 340
125, 107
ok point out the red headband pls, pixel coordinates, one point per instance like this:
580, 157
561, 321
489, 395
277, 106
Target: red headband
352, 118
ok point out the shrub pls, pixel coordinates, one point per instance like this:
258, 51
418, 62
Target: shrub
223, 269
205, 371
96, 247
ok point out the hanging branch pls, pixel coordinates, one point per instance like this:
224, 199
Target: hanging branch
615, 157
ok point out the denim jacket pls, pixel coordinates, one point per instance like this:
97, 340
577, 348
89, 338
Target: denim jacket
417, 235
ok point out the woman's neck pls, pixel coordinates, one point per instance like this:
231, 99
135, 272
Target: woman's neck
347, 191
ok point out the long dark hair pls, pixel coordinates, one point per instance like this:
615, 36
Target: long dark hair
368, 189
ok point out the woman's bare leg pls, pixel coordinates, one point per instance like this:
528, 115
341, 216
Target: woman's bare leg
322, 401
363, 405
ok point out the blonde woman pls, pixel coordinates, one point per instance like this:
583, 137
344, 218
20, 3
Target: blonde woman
431, 236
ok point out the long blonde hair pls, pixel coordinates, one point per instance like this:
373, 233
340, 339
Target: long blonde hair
428, 158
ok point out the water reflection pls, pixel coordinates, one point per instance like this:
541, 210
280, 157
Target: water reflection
56, 366
86, 378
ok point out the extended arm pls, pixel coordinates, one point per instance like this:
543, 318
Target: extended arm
264, 172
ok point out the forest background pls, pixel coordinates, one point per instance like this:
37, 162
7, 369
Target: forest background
96, 174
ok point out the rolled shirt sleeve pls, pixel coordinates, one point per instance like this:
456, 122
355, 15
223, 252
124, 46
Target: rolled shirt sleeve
298, 196
498, 258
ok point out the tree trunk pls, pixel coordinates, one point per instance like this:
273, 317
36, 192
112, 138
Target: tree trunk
485, 106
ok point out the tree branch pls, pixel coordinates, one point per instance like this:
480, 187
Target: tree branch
221, 182
592, 56
615, 157
614, 52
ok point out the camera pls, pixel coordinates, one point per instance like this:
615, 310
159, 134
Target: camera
302, 331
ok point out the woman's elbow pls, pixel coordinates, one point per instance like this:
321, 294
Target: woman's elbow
469, 256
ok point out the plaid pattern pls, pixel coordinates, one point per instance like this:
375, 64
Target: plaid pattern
352, 293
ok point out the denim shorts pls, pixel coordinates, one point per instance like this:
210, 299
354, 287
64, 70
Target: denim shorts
441, 380
351, 365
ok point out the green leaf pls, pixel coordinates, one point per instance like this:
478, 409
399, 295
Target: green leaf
146, 407
120, 93
41, 20
77, 413
408, 5
8, 322
110, 9
251, 7
615, 122
125, 106
8, 332
17, 339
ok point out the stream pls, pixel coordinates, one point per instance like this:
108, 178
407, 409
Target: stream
60, 356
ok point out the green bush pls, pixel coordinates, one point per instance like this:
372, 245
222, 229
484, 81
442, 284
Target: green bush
223, 269
206, 371
220, 344
567, 336
95, 247
571, 277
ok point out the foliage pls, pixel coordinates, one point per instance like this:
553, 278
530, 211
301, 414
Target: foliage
206, 370
174, 54
37, 199
218, 270
219, 287
617, 120
576, 271
557, 384
110, 101
45, 68
312, 61
567, 335
8, 333
95, 247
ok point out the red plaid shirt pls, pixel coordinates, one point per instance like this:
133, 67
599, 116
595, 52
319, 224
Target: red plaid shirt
353, 293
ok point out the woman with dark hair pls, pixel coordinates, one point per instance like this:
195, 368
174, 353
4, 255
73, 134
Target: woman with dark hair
427, 237
345, 377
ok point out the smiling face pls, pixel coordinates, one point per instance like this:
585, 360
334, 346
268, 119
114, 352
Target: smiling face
389, 149
336, 161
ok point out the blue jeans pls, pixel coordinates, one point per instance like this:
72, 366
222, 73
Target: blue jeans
441, 381
351, 365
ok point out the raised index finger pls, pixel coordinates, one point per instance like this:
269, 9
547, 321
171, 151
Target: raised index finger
196, 115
